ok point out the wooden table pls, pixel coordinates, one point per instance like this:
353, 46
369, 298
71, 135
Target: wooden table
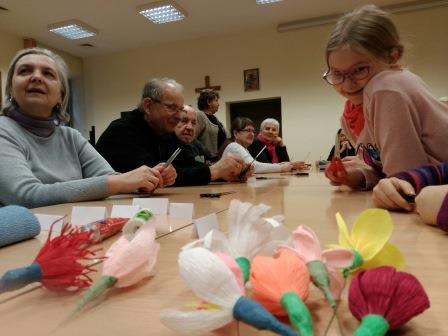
303, 200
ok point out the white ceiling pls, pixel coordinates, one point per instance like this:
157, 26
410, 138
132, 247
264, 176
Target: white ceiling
122, 28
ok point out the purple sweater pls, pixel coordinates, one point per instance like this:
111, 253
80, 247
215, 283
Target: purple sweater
426, 176
405, 125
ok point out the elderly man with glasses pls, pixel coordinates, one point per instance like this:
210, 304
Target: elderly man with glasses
146, 136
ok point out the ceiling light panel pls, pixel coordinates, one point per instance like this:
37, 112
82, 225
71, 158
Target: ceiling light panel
162, 12
264, 2
73, 29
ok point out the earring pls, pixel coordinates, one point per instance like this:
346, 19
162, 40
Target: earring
12, 101
57, 108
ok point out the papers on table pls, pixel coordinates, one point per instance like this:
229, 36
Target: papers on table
205, 224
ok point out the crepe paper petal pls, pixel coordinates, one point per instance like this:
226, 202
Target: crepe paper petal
131, 261
235, 268
209, 277
58, 265
271, 278
388, 256
196, 322
344, 236
371, 231
307, 244
212, 280
384, 299
216, 241
337, 258
254, 314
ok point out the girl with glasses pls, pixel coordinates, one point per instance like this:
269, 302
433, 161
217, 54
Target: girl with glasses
390, 116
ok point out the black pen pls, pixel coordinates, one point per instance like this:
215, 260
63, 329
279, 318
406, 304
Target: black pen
172, 157
245, 170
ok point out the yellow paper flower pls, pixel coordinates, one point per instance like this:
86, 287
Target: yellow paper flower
369, 240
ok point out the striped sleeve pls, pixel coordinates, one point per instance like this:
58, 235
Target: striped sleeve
425, 176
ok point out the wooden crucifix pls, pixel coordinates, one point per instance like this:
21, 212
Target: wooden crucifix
207, 86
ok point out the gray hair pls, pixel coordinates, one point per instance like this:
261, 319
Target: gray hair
155, 88
270, 121
370, 30
61, 69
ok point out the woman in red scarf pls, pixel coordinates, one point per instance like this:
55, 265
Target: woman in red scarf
275, 149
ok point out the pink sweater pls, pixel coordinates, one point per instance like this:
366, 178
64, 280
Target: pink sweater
405, 125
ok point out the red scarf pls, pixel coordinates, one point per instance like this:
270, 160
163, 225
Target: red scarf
354, 117
270, 147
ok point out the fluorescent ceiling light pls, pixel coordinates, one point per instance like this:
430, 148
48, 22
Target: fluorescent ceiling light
264, 2
72, 29
162, 12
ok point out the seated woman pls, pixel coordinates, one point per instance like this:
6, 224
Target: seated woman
345, 147
44, 162
243, 133
275, 149
429, 182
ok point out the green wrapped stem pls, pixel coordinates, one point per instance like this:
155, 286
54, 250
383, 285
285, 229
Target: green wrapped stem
319, 277
244, 265
298, 313
96, 290
372, 325
358, 260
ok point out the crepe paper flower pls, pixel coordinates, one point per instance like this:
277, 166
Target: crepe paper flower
322, 265
130, 259
58, 265
368, 240
249, 234
211, 279
384, 299
336, 167
281, 285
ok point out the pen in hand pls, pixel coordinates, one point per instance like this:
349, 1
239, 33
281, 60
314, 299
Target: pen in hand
172, 157
246, 169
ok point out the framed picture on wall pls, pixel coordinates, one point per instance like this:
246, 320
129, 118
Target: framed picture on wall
251, 79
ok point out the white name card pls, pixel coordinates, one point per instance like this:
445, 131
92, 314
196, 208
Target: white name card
84, 215
124, 211
205, 224
45, 222
159, 206
181, 210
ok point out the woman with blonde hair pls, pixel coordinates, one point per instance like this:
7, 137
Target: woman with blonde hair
44, 162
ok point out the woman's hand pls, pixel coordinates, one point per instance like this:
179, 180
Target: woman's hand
286, 166
169, 174
143, 178
387, 194
278, 141
299, 165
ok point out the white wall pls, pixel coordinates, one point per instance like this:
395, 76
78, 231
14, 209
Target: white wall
290, 65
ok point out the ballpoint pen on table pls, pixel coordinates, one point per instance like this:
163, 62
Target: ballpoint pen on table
216, 195
245, 170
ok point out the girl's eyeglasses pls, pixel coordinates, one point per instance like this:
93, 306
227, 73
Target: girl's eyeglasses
338, 77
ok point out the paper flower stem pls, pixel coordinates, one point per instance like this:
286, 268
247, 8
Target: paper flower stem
96, 290
256, 315
298, 313
244, 265
20, 277
372, 325
357, 262
319, 277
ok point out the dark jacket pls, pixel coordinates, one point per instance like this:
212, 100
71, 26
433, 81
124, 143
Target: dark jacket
256, 147
129, 143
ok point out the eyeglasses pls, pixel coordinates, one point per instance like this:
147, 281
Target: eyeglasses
171, 107
248, 130
338, 77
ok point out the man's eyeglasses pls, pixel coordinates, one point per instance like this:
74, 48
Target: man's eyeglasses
248, 130
171, 107
338, 77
